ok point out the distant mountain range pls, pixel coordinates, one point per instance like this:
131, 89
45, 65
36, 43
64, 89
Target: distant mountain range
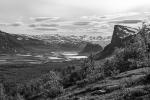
121, 35
13, 43
73, 38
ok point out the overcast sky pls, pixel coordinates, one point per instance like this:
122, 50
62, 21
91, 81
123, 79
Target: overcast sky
69, 15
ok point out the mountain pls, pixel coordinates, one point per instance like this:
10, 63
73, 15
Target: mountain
61, 43
74, 39
101, 40
12, 43
121, 35
9, 43
91, 48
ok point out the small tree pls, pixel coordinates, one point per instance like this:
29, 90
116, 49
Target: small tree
2, 92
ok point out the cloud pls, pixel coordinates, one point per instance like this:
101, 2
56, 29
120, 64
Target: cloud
109, 16
81, 23
3, 24
76, 25
16, 24
42, 25
105, 26
147, 13
68, 27
126, 21
32, 25
92, 18
40, 19
129, 14
45, 29
49, 25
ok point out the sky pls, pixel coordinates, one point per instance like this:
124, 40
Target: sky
70, 16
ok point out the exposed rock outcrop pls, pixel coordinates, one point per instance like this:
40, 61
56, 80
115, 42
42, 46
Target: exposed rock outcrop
121, 35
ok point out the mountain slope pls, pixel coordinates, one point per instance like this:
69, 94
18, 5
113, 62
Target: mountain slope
91, 48
111, 88
121, 35
9, 43
12, 43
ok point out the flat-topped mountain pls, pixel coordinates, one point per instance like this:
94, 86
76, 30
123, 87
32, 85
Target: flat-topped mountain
121, 35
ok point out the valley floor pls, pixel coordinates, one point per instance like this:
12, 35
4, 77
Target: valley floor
25, 72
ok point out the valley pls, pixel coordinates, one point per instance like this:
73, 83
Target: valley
24, 57
74, 49
39, 49
66, 68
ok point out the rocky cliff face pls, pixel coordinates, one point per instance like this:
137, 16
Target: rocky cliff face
122, 32
121, 35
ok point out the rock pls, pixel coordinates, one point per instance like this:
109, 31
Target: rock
121, 35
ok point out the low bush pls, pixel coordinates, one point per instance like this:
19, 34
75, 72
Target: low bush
48, 85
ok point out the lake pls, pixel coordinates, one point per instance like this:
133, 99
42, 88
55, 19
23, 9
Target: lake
35, 59
68, 56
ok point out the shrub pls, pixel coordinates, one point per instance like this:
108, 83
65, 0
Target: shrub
73, 76
109, 68
2, 93
48, 85
90, 79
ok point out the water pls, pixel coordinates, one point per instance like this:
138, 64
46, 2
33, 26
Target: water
34, 59
27, 55
55, 58
67, 55
77, 57
70, 53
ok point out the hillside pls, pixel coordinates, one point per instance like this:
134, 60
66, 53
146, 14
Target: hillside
12, 43
91, 48
8, 43
124, 76
121, 36
124, 86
